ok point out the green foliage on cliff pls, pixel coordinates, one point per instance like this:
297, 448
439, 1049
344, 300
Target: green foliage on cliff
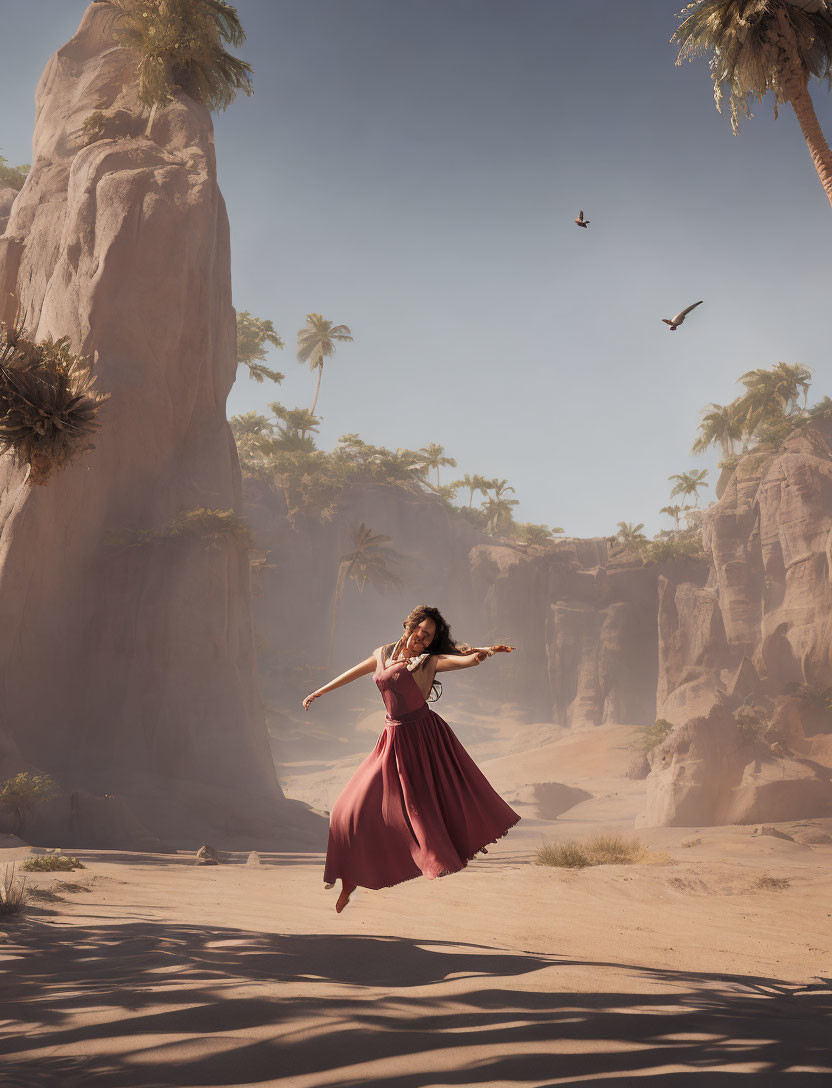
282, 451
253, 336
649, 737
48, 406
670, 544
179, 44
12, 177
208, 526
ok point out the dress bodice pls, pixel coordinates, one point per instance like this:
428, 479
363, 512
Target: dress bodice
399, 690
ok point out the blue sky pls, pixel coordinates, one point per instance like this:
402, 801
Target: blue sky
412, 168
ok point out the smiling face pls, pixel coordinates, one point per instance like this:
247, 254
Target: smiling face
420, 637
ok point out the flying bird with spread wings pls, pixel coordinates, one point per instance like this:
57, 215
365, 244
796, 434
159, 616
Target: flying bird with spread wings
581, 221
675, 322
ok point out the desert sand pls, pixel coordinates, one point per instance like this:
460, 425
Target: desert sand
146, 970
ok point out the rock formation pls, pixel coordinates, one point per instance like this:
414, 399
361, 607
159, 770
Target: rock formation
764, 619
130, 672
709, 772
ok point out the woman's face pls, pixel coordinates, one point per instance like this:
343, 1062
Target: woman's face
420, 637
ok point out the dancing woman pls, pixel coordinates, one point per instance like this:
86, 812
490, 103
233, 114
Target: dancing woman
418, 805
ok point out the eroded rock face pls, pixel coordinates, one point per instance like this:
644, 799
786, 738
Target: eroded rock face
768, 603
708, 773
131, 672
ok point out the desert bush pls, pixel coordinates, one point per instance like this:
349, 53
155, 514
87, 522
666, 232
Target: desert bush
210, 526
94, 128
563, 855
12, 892
603, 848
51, 863
23, 792
48, 408
674, 545
649, 737
753, 723
692, 842
812, 697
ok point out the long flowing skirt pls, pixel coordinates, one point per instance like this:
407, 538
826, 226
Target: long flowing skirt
418, 805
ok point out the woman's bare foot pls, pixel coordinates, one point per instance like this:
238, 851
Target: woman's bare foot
344, 897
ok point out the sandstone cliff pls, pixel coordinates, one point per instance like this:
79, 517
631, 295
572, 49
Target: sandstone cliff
764, 619
130, 673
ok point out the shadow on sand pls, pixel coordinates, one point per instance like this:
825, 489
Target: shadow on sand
170, 1005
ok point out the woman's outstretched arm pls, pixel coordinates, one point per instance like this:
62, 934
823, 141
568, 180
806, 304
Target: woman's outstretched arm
364, 668
450, 662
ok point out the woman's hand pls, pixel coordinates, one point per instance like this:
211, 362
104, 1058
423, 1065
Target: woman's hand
309, 698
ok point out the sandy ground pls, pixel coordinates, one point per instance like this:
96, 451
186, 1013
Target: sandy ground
145, 970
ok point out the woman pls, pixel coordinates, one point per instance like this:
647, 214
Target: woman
418, 805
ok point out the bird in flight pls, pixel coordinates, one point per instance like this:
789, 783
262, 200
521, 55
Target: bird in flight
581, 221
674, 322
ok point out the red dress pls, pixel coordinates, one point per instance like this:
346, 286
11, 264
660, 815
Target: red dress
418, 805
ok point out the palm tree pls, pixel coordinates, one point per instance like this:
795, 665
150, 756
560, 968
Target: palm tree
316, 342
297, 423
630, 536
688, 483
757, 46
371, 560
434, 457
674, 512
719, 425
253, 333
473, 483
500, 488
179, 46
498, 513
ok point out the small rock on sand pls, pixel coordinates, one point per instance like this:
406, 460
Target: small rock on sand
207, 855
253, 858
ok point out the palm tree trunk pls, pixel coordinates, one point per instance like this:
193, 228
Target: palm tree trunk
318, 387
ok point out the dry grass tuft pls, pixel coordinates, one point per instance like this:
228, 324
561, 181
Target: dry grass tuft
52, 863
13, 894
602, 848
692, 842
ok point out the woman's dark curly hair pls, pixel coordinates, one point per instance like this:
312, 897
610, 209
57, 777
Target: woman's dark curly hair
442, 642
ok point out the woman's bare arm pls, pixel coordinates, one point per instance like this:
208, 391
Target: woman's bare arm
364, 668
451, 662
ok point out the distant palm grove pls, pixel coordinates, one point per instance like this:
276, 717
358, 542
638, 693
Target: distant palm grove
282, 450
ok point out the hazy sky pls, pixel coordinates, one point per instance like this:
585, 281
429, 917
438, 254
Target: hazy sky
412, 167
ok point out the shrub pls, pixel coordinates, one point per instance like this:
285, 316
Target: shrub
563, 855
651, 736
12, 892
51, 863
25, 790
752, 723
94, 128
603, 848
48, 408
671, 545
211, 526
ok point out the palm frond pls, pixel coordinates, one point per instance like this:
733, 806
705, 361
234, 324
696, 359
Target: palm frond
48, 404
